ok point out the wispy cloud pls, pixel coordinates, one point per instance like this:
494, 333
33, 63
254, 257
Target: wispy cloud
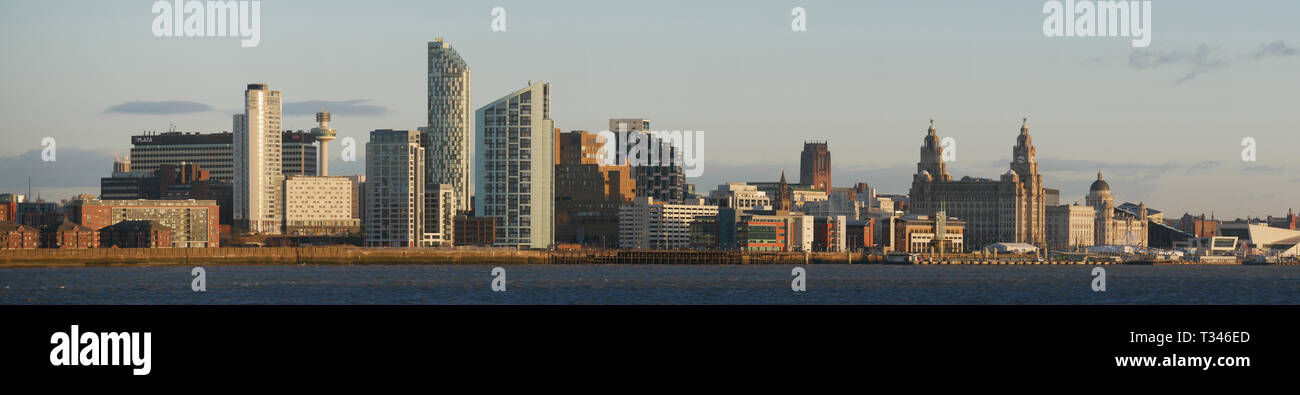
1203, 166
1276, 48
1263, 169
1203, 59
159, 107
1136, 180
1150, 169
357, 107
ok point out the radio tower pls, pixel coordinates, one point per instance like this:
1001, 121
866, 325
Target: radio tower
325, 134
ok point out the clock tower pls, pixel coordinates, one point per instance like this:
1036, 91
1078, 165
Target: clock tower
1031, 201
1010, 209
1024, 158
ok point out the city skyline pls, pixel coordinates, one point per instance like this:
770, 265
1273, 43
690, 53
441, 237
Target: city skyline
1161, 137
327, 171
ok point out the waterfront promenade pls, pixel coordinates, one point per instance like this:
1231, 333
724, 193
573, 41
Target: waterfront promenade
332, 255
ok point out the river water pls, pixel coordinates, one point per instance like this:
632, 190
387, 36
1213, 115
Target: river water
652, 284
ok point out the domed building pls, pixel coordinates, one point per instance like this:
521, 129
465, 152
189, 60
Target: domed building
1114, 226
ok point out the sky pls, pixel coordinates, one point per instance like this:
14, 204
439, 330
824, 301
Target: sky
1165, 123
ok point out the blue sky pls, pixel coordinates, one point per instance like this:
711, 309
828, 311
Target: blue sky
1164, 122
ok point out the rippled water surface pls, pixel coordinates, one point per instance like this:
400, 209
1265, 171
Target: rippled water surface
652, 284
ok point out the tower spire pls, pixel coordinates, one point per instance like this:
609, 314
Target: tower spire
784, 196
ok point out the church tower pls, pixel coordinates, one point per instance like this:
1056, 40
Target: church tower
784, 197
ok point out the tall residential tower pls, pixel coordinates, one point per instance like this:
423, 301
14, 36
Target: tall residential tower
394, 191
446, 140
258, 177
514, 167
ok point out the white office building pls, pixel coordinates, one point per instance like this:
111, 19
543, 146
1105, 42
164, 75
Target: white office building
318, 206
649, 224
837, 203
738, 195
1070, 226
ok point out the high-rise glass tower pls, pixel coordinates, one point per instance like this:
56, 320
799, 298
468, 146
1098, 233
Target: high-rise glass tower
514, 167
258, 178
447, 138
